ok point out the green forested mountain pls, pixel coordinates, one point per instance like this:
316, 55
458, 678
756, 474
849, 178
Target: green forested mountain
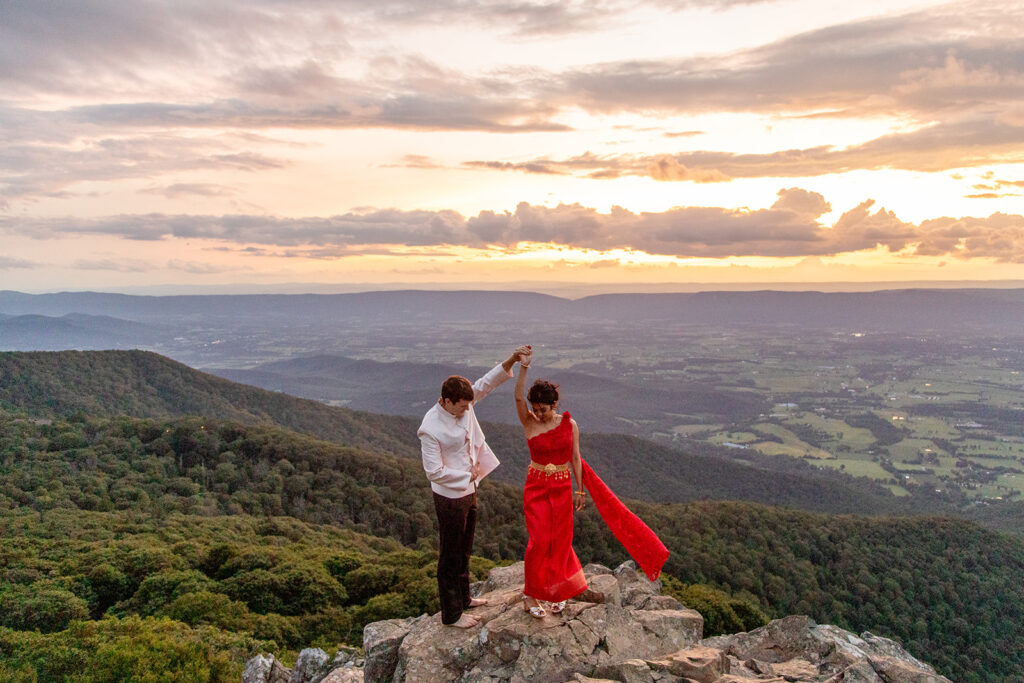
143, 384
207, 522
190, 542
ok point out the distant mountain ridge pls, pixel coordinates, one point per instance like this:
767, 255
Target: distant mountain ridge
406, 388
897, 310
74, 330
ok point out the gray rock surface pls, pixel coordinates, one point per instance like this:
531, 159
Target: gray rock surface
598, 628
381, 641
797, 649
264, 669
311, 666
621, 629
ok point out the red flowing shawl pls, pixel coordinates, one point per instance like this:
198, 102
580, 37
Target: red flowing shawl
640, 542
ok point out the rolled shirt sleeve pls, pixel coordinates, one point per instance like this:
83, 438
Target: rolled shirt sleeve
435, 468
489, 382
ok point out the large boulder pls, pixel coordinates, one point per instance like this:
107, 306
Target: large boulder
381, 640
613, 621
265, 669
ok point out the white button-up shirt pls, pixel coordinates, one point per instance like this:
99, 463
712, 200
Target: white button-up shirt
451, 446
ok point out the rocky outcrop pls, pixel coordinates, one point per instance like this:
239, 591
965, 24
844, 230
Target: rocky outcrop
797, 649
620, 629
312, 666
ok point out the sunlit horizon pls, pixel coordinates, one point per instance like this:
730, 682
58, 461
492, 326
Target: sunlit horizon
401, 143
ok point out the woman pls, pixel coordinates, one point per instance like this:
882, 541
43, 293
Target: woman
553, 572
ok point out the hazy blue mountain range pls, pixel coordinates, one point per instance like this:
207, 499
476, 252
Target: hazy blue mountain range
75, 330
900, 310
403, 388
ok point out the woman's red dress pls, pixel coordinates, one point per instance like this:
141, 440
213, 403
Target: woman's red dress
553, 571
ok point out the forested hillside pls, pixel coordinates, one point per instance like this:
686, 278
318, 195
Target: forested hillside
145, 384
142, 384
207, 523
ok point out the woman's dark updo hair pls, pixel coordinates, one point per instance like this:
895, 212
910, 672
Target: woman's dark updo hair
543, 391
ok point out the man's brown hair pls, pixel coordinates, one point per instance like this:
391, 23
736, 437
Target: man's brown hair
457, 388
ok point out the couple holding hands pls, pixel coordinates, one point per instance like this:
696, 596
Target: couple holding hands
456, 457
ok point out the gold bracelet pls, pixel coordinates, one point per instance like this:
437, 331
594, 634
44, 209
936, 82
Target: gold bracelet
582, 493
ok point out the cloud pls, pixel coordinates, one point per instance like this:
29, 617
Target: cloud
667, 168
384, 226
416, 161
178, 190
996, 189
120, 265
999, 237
963, 144
258, 64
791, 227
953, 73
938, 60
540, 167
293, 76
802, 202
39, 170
9, 263
104, 44
200, 268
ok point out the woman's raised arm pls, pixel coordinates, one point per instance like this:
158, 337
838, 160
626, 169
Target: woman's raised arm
522, 407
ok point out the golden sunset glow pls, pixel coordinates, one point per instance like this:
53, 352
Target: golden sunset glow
492, 142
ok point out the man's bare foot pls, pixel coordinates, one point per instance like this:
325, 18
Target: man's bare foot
465, 621
476, 602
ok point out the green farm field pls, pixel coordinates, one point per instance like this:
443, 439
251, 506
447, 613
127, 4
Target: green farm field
910, 413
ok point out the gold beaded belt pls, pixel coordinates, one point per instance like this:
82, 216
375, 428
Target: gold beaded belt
551, 469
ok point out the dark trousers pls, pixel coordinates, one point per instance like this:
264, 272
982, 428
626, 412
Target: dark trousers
456, 520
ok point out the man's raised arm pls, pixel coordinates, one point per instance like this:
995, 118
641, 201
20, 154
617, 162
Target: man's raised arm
498, 374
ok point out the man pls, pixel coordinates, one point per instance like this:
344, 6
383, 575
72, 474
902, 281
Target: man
456, 457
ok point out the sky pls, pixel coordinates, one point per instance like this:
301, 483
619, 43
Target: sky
257, 143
